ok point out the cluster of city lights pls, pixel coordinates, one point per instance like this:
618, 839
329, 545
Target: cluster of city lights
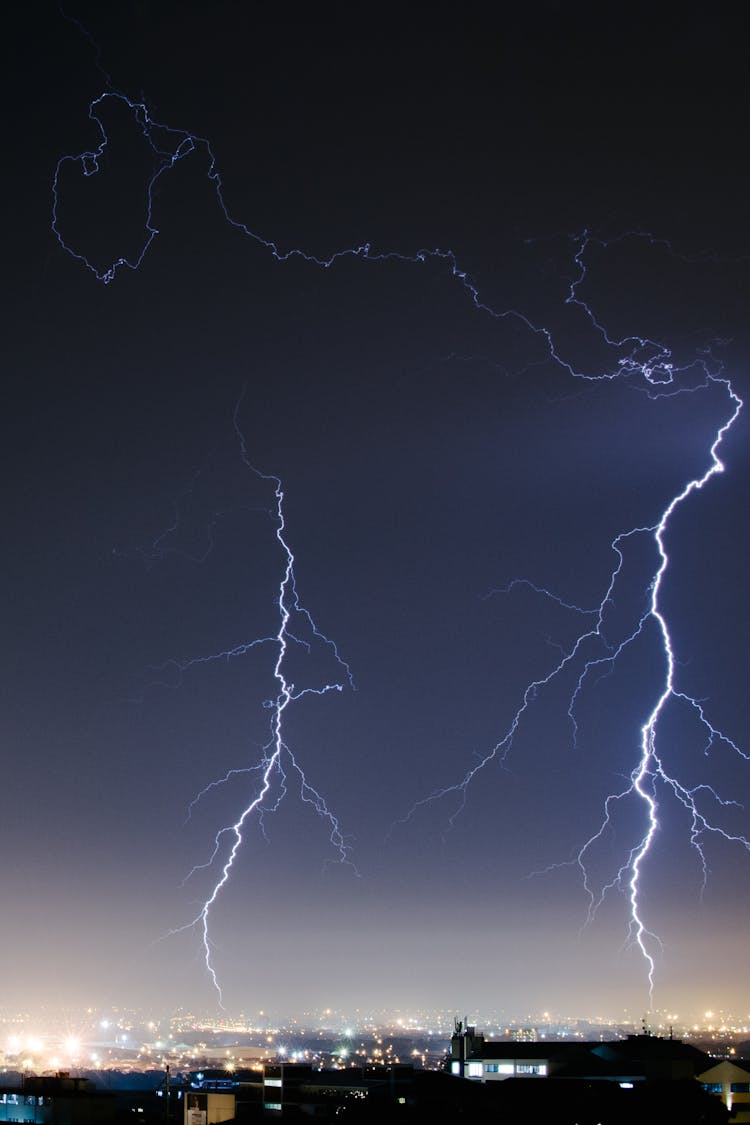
321, 1040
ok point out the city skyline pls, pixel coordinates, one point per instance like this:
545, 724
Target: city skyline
142, 1039
314, 522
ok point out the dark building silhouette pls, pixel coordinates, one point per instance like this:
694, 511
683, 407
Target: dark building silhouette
635, 1059
299, 1092
61, 1100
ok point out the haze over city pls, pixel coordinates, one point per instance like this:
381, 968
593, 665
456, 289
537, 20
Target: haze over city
337, 361
137, 1040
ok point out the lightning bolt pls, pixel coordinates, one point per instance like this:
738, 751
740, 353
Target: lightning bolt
658, 374
645, 365
278, 760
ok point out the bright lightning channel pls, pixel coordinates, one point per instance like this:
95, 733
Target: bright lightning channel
642, 363
278, 759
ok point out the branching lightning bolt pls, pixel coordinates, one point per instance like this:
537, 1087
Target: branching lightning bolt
650, 770
659, 377
645, 365
278, 759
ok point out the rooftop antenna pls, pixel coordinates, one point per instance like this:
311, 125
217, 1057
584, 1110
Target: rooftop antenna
166, 1094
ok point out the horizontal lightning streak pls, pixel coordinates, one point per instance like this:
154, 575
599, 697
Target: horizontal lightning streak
169, 145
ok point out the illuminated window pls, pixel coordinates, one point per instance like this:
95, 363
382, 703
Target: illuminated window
474, 1070
539, 1069
455, 1068
499, 1068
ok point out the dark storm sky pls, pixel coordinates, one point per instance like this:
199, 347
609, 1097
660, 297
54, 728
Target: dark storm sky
429, 454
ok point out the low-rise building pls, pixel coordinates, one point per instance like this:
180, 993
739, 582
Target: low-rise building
731, 1081
59, 1100
635, 1059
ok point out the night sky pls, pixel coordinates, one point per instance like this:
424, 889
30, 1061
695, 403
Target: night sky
430, 454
